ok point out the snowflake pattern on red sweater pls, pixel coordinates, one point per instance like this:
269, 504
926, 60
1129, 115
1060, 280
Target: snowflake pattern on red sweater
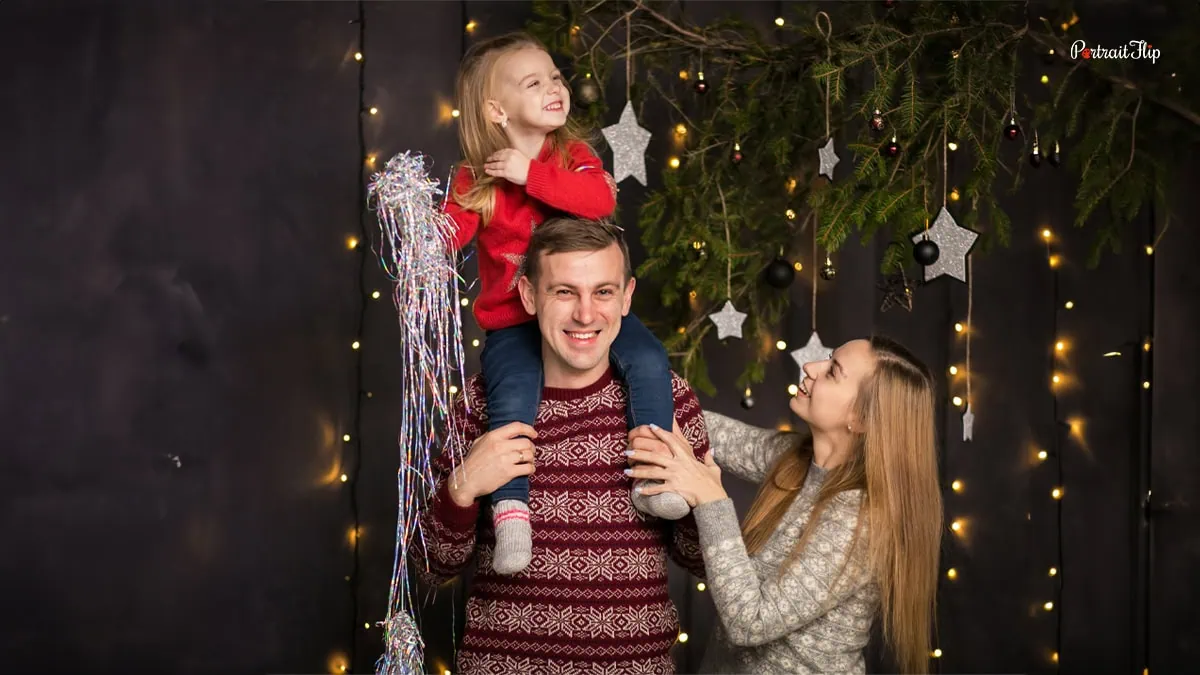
594, 599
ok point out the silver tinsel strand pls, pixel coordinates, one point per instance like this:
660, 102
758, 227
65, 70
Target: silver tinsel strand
416, 250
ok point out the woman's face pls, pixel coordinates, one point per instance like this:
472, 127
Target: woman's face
828, 390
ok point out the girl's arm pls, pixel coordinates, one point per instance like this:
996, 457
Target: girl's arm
582, 189
744, 450
466, 223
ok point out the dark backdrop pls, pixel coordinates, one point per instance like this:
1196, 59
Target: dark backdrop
177, 305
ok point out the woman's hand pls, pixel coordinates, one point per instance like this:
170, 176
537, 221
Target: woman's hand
667, 456
508, 164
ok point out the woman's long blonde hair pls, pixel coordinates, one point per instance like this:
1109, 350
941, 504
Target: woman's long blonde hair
894, 462
479, 137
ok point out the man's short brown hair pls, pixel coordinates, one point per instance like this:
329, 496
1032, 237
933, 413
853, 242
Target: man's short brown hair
567, 235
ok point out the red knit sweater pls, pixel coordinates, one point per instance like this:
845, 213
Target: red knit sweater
594, 598
583, 188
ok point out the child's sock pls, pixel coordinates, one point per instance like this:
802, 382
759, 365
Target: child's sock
514, 537
665, 505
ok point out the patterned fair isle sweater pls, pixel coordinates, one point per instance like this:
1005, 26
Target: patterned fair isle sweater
594, 598
802, 622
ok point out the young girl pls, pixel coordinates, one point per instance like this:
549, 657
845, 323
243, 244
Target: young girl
524, 161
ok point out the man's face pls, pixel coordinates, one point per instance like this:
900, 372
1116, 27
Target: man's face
579, 300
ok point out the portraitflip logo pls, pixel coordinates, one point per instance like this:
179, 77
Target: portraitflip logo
1135, 49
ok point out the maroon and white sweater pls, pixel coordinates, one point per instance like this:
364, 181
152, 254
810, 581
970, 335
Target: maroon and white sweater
594, 598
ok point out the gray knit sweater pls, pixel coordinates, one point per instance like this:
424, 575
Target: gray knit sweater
800, 622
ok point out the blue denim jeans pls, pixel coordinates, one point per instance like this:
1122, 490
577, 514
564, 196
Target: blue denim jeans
512, 371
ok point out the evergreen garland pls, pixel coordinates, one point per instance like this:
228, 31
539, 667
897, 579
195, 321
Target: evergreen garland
936, 70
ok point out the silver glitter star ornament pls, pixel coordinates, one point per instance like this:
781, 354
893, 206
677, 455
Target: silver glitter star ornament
829, 159
728, 321
813, 351
954, 245
628, 142
968, 424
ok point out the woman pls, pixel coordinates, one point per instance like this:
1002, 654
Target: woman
847, 523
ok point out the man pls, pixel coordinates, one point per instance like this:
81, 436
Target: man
594, 598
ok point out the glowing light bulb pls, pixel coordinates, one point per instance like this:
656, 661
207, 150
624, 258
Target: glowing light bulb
1145, 385
1146, 345
1056, 379
1059, 346
958, 328
367, 626
781, 345
374, 110
680, 129
1042, 455
464, 302
355, 345
1045, 79
957, 400
1048, 606
952, 146
1069, 305
957, 486
683, 74
475, 342
701, 586
779, 21
375, 295
453, 389
1149, 250
683, 637
674, 162
471, 26
957, 525
358, 56
1056, 493
455, 112
954, 195
790, 214
346, 437
351, 243
953, 370
692, 294
1054, 259
793, 389
937, 653
1054, 657
344, 478
681, 330
1053, 571
951, 573
1046, 234
797, 266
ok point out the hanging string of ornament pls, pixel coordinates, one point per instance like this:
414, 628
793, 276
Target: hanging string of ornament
968, 418
728, 321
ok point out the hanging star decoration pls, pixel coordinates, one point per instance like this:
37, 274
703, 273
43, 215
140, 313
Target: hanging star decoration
968, 424
896, 292
829, 159
813, 351
628, 142
728, 321
954, 244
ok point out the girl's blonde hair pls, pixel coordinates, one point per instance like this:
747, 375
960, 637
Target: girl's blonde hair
478, 136
894, 462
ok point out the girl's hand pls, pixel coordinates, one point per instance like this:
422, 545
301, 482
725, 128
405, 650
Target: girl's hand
668, 457
508, 164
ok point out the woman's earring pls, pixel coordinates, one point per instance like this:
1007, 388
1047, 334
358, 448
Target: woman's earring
504, 124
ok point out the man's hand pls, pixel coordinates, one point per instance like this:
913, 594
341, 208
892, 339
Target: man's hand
494, 459
508, 164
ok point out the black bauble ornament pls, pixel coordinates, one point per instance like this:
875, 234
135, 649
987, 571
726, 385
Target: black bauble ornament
828, 271
1011, 131
892, 149
1035, 157
779, 273
926, 252
701, 86
747, 401
1055, 158
589, 92
876, 121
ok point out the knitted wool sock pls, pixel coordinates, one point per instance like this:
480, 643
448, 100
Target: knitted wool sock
665, 505
514, 537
